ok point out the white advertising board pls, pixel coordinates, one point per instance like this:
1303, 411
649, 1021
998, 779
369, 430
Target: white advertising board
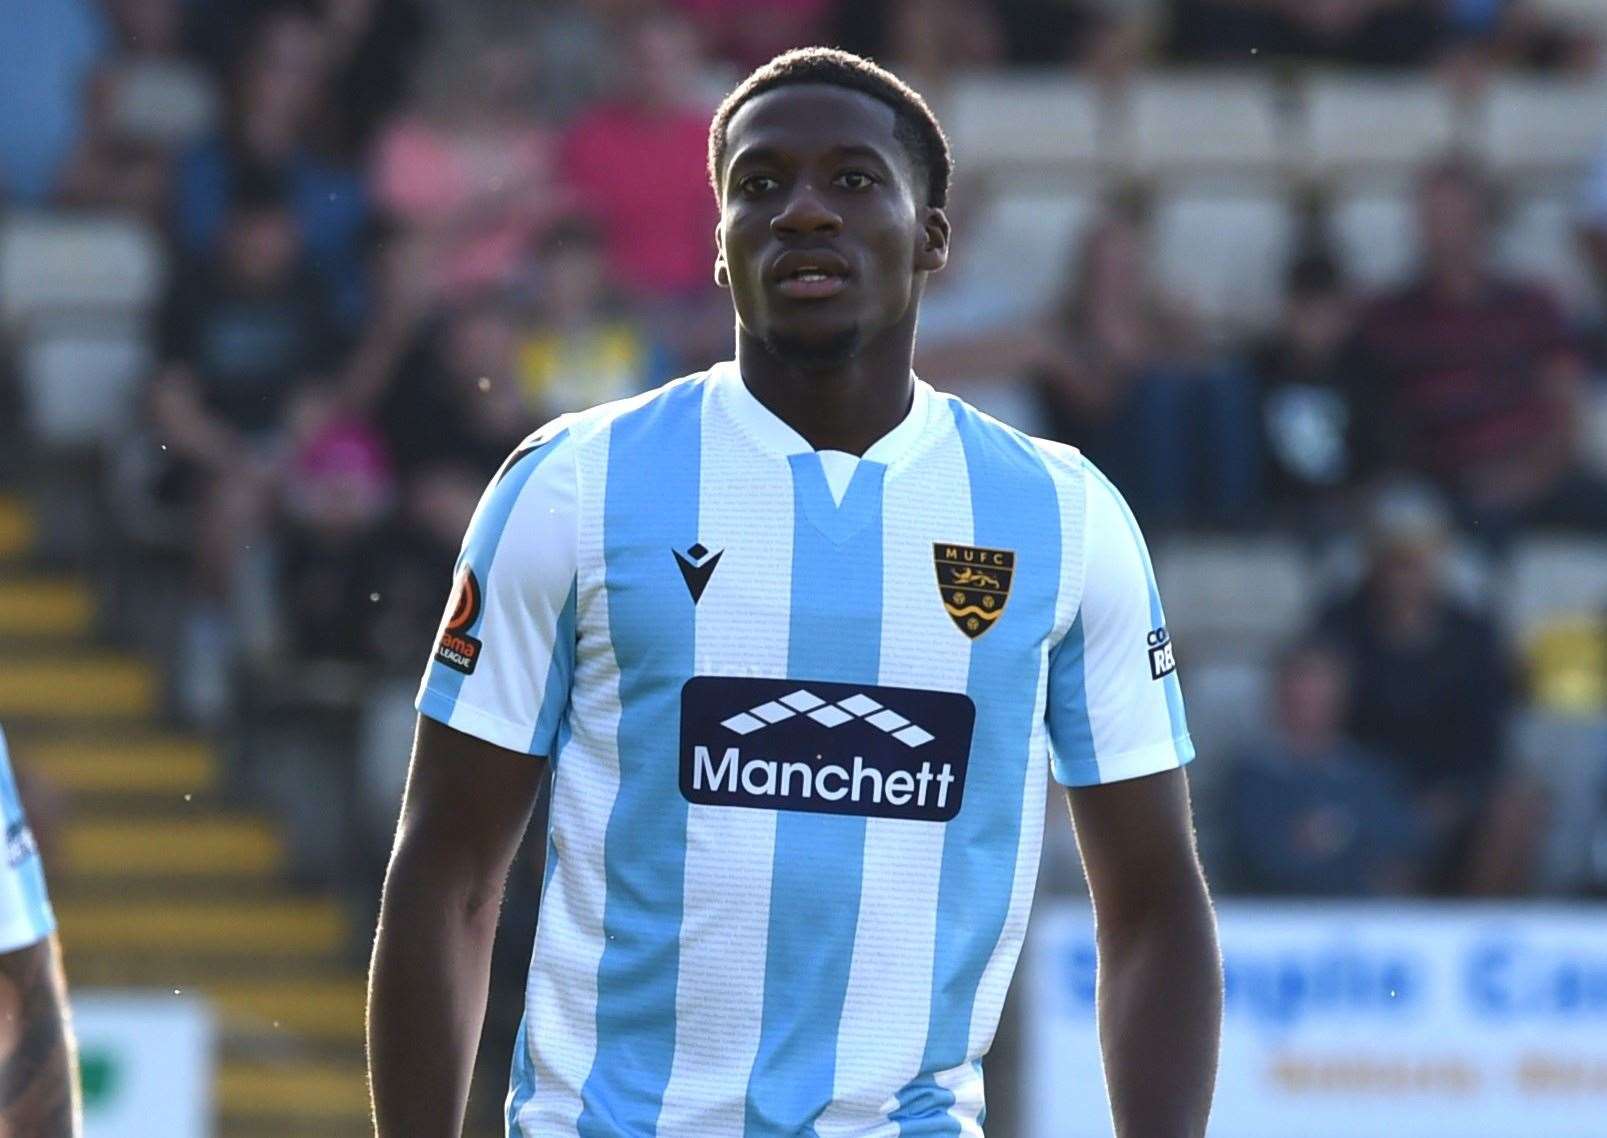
1358, 1021
146, 1063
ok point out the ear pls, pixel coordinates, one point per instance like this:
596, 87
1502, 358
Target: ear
933, 251
722, 274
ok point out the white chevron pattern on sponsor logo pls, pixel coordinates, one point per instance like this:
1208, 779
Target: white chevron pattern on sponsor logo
805, 702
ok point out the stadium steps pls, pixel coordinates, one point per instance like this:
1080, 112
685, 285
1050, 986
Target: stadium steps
159, 881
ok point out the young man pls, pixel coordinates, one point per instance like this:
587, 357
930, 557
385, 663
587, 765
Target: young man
797, 634
38, 1066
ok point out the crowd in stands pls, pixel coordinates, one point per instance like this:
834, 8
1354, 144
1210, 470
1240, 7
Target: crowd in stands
403, 233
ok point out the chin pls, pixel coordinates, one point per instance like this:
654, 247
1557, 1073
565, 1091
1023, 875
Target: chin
816, 352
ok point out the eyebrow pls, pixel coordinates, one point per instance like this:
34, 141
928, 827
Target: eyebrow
764, 153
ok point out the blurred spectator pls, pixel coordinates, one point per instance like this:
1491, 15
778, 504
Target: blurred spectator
1592, 222
1313, 437
470, 170
240, 331
1432, 685
1376, 33
373, 45
48, 48
278, 93
584, 349
925, 41
659, 228
141, 104
1479, 381
1309, 810
750, 32
1130, 384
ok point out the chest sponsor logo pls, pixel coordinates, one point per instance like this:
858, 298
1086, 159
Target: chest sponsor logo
974, 584
825, 748
456, 648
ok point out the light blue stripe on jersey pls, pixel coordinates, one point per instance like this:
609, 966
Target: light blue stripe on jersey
441, 690
1157, 618
1074, 741
835, 635
650, 509
545, 740
30, 874
1014, 507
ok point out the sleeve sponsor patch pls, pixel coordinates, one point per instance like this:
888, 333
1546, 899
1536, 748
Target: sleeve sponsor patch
456, 648
1161, 661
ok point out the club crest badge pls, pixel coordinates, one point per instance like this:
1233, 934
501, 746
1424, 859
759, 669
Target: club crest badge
974, 584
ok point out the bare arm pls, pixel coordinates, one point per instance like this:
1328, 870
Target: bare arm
38, 1060
1160, 973
466, 808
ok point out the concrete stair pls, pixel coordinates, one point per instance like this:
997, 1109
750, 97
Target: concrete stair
159, 882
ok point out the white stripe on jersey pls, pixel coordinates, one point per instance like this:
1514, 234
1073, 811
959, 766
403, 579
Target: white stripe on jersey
719, 996
882, 1035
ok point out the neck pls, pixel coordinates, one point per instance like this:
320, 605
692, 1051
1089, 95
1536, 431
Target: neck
845, 406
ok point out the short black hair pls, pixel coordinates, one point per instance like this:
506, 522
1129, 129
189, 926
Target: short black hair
915, 126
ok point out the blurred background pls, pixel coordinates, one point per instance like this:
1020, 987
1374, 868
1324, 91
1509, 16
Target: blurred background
1321, 284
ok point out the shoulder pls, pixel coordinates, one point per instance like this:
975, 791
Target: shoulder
991, 440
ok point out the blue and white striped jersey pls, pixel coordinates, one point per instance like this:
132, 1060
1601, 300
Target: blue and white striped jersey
25, 914
801, 709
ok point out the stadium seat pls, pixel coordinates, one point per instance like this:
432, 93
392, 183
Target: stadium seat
54, 263
1549, 579
1374, 234
1567, 756
1539, 240
162, 103
1029, 240
1226, 254
79, 379
1534, 124
1025, 120
1232, 600
1184, 125
1368, 122
1589, 16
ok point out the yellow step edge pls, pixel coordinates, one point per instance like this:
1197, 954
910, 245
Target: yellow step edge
96, 686
251, 929
16, 527
207, 847
302, 1089
325, 1008
39, 606
156, 765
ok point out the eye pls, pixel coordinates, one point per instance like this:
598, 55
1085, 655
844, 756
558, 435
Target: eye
755, 184
855, 180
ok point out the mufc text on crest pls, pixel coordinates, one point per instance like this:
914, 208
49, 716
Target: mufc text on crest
973, 583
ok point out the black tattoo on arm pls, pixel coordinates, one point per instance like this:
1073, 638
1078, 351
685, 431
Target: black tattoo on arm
38, 1064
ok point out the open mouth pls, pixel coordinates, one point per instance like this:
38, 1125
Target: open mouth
811, 282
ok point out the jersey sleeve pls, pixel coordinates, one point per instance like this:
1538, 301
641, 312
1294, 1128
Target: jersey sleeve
25, 914
1114, 706
505, 653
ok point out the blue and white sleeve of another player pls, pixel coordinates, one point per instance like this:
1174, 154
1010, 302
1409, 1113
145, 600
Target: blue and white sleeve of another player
505, 653
1115, 708
25, 914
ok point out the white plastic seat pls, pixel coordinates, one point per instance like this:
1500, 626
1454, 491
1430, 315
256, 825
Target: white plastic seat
1539, 239
86, 265
1374, 231
1233, 599
80, 378
1025, 120
1355, 123
1533, 124
1028, 242
1553, 578
1225, 122
1226, 254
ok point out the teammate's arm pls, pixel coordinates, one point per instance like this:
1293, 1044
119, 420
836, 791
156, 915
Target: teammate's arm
465, 810
1160, 974
38, 1062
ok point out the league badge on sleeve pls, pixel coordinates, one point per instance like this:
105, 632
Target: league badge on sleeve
456, 648
973, 583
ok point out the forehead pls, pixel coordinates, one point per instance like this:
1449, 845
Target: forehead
803, 119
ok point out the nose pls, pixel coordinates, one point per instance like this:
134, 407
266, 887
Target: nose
805, 212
